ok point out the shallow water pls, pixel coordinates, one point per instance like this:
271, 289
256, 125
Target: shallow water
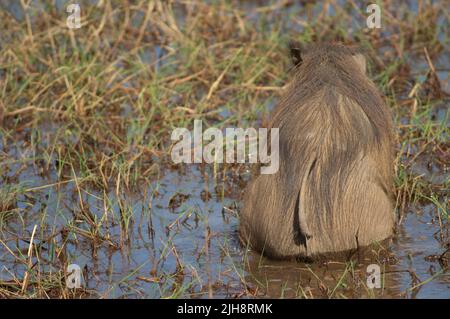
144, 258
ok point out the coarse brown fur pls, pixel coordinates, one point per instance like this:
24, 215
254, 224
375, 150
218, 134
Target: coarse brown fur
333, 190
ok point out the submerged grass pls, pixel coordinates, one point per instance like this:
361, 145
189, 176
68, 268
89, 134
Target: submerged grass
86, 117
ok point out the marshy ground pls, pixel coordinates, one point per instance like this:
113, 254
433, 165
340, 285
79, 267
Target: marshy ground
85, 121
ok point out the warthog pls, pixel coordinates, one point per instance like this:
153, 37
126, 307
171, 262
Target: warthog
333, 190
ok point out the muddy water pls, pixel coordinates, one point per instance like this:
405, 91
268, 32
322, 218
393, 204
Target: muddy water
180, 240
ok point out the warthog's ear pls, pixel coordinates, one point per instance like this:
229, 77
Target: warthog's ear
360, 61
296, 52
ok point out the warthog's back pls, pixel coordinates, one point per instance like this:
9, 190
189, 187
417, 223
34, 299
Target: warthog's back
333, 189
